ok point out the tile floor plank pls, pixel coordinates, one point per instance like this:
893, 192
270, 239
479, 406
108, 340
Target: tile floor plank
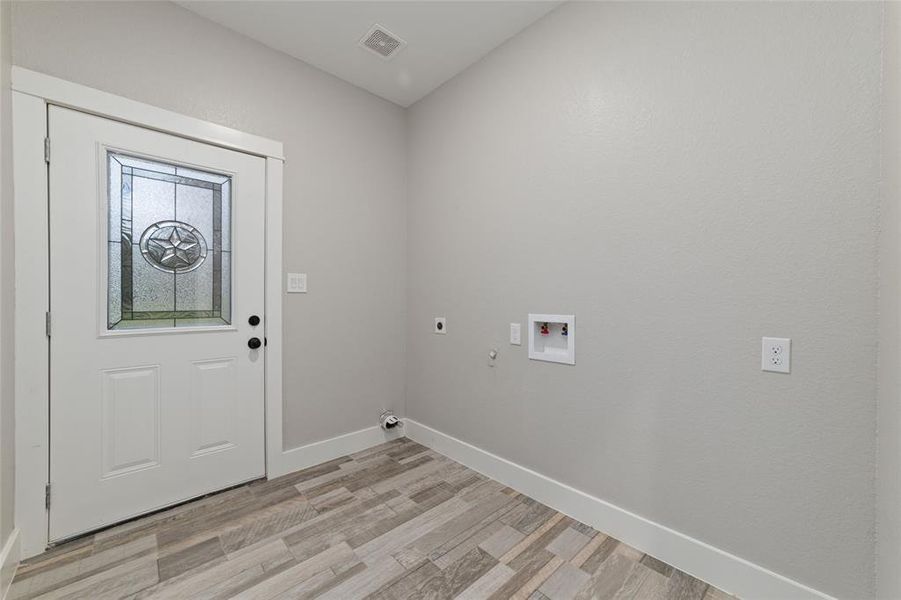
522, 575
410, 584
543, 574
446, 555
291, 577
565, 583
601, 553
191, 557
367, 581
488, 584
447, 534
609, 579
467, 570
659, 566
683, 586
568, 543
503, 540
585, 553
411, 530
194, 584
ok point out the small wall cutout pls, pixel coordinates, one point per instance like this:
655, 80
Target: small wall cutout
552, 338
440, 326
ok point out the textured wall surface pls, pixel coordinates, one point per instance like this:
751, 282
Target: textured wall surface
344, 183
685, 178
7, 271
889, 415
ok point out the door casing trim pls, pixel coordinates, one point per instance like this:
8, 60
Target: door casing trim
32, 93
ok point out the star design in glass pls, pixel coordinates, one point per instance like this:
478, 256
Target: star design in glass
174, 247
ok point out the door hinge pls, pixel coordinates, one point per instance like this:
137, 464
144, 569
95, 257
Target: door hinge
47, 150
47, 322
47, 496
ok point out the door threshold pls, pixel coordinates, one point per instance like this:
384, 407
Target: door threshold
81, 536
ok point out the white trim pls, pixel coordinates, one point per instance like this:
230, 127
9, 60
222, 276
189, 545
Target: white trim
726, 571
72, 95
326, 450
9, 562
33, 92
273, 323
32, 301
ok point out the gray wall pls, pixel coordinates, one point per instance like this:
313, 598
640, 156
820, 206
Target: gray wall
685, 178
344, 183
889, 414
7, 268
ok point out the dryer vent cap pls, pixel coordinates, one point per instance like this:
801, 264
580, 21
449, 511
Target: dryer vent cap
382, 42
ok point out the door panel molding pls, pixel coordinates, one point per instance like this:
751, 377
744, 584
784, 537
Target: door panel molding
33, 93
212, 385
130, 422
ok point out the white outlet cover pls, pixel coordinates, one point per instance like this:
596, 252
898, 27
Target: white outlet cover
297, 283
776, 355
440, 326
516, 334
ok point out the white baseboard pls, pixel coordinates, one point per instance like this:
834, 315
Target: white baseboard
9, 562
726, 571
326, 450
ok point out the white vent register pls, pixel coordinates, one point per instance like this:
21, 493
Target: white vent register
382, 42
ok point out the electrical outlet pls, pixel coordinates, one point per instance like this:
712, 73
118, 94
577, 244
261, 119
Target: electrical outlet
776, 355
516, 334
440, 325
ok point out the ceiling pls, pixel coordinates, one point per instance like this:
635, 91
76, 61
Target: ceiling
443, 37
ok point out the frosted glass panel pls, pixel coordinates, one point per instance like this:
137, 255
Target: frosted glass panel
202, 175
167, 229
115, 196
151, 199
226, 286
152, 290
140, 163
196, 292
195, 206
114, 297
226, 215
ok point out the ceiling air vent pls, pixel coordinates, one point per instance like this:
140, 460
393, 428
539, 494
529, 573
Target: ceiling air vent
382, 42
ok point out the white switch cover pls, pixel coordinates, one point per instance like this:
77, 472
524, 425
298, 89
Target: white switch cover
297, 283
440, 325
516, 334
776, 355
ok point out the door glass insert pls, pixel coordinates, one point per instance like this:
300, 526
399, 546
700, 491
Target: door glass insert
169, 245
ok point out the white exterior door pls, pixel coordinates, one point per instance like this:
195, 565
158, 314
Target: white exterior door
156, 272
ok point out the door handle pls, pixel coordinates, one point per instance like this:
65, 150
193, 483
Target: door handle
254, 343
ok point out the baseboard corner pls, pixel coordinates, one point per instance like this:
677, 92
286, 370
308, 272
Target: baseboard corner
315, 453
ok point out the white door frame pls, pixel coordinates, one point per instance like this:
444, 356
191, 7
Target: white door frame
32, 93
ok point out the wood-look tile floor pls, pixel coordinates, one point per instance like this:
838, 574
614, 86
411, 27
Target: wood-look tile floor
394, 522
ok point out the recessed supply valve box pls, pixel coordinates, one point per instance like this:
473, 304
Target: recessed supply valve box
552, 338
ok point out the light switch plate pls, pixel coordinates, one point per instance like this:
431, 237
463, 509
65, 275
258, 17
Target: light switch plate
297, 283
776, 355
516, 334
